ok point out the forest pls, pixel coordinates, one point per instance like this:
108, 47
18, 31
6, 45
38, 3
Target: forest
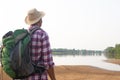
84, 52
113, 52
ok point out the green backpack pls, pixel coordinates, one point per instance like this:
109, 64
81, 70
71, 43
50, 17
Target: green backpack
16, 59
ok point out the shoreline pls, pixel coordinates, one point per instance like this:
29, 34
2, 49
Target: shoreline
80, 72
114, 61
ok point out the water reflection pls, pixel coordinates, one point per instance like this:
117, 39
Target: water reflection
96, 61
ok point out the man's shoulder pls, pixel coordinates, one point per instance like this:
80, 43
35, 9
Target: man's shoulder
41, 32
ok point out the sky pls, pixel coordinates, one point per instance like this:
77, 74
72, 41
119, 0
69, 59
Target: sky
71, 24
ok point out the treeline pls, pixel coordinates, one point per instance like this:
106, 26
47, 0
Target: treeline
113, 52
83, 52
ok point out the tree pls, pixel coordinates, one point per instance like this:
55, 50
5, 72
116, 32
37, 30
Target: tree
110, 52
117, 51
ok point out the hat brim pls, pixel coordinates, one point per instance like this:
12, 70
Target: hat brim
29, 22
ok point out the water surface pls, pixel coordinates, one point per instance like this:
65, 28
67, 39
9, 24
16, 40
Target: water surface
96, 61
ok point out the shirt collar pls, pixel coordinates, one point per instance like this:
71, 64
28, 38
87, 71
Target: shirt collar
32, 27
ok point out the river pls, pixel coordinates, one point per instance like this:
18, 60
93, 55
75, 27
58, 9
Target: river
95, 61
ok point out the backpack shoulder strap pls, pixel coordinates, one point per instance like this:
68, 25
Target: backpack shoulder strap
33, 30
38, 69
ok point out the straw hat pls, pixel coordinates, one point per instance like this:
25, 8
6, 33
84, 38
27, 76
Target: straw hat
33, 16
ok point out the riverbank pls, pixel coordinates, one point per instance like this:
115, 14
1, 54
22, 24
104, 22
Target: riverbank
85, 73
80, 73
114, 61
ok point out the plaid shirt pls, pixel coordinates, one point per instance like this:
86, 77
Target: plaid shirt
41, 53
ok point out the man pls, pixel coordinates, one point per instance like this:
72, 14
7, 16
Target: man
40, 46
